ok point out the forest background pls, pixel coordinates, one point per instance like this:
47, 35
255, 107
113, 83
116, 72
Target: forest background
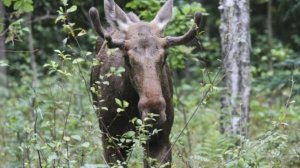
47, 118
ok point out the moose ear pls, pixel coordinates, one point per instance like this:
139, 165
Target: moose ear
115, 16
133, 17
122, 20
164, 15
110, 13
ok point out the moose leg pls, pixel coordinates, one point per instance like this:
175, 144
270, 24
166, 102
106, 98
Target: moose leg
157, 153
114, 155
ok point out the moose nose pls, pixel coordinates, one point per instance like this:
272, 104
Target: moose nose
155, 106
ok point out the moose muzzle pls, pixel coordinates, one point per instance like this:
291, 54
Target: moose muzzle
153, 108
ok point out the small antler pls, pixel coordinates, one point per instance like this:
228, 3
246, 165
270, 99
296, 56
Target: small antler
188, 36
112, 43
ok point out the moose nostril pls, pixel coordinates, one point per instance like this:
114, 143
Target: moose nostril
162, 118
157, 107
142, 104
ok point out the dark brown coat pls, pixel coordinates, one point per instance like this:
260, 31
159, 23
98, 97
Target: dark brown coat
146, 83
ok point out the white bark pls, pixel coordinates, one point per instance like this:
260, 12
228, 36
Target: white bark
236, 44
3, 78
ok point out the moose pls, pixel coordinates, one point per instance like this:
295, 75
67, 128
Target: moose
146, 84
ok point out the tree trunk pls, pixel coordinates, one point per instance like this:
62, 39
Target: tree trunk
32, 53
236, 46
269, 23
3, 78
270, 31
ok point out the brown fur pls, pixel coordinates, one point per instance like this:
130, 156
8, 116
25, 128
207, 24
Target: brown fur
146, 83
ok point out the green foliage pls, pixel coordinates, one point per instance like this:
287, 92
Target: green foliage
3, 63
277, 59
20, 5
122, 105
143, 8
16, 31
54, 124
183, 21
264, 152
59, 107
62, 14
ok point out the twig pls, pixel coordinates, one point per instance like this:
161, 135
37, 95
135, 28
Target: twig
45, 17
68, 157
86, 14
14, 51
35, 133
185, 120
291, 93
66, 118
192, 116
34, 112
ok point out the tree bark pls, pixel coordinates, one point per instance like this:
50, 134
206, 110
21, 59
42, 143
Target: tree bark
270, 31
32, 53
269, 23
236, 46
3, 78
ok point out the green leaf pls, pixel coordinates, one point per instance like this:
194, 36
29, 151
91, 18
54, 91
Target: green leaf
27, 7
105, 83
66, 138
60, 18
72, 9
78, 61
118, 101
52, 157
64, 2
96, 62
119, 110
81, 33
17, 5
104, 108
23, 6
88, 53
85, 145
125, 104
3, 64
26, 29
139, 122
65, 41
129, 134
58, 51
76, 137
7, 2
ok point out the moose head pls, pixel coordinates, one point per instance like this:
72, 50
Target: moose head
143, 46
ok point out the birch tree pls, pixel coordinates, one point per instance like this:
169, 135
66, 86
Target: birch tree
2, 45
236, 46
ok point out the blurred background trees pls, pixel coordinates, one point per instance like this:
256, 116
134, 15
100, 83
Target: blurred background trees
47, 118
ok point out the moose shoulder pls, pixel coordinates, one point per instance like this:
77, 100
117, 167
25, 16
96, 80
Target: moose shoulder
146, 84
